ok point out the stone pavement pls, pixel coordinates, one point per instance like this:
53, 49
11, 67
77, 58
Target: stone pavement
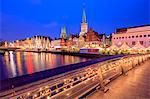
134, 85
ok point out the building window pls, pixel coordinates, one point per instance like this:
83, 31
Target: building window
141, 42
119, 37
114, 38
140, 35
132, 36
137, 36
148, 35
123, 37
144, 35
133, 42
129, 36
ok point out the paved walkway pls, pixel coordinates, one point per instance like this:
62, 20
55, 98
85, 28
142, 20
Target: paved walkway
136, 85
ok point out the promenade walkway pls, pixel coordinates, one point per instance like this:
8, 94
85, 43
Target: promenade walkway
134, 85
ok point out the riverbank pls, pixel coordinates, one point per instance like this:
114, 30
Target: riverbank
79, 54
2, 52
87, 55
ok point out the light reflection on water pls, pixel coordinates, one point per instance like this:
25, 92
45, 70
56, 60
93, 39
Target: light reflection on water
14, 64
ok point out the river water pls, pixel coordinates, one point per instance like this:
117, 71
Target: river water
14, 64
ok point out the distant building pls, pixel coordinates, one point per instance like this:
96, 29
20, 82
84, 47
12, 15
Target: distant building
56, 42
132, 35
40, 42
92, 43
92, 39
35, 42
84, 25
105, 41
69, 42
108, 41
81, 41
63, 33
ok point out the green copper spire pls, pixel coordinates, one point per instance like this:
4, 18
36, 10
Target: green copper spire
64, 29
63, 33
84, 16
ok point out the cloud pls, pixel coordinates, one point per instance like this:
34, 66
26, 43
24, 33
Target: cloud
51, 25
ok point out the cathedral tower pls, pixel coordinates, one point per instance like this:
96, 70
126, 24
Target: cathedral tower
84, 25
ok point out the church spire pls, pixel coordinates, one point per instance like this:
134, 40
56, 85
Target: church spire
63, 33
84, 25
84, 16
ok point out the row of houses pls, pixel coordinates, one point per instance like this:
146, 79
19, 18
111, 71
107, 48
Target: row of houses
91, 39
35, 42
75, 42
89, 42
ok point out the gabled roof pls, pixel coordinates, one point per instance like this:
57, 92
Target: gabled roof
124, 46
113, 46
148, 48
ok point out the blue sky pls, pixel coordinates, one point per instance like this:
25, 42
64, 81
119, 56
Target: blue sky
26, 18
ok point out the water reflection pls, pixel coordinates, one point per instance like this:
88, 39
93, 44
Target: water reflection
12, 64
29, 63
22, 63
19, 64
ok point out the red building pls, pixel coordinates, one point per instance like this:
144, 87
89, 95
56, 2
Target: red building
92, 39
92, 36
62, 42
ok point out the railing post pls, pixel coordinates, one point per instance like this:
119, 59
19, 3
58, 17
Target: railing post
121, 65
131, 62
13, 90
103, 88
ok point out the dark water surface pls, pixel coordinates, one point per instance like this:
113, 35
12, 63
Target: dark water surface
14, 64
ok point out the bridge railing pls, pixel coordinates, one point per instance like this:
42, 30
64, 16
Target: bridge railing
99, 73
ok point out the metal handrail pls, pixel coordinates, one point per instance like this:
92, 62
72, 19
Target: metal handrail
82, 75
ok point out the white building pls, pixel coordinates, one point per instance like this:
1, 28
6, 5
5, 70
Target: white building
132, 35
55, 42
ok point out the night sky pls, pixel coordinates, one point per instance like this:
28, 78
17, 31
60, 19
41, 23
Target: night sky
26, 18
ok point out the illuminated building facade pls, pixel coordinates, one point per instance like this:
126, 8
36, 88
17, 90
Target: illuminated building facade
132, 35
93, 42
55, 43
36, 42
41, 42
92, 39
73, 43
